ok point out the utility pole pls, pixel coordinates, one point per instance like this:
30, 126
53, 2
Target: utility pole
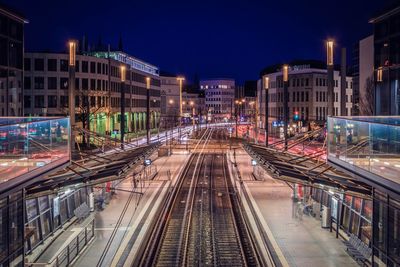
266, 85
285, 73
71, 91
122, 122
329, 65
148, 79
343, 84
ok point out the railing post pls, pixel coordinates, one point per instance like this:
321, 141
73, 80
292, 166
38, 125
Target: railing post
85, 235
68, 254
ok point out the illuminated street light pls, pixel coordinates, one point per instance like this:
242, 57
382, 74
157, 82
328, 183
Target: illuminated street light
180, 80
148, 80
72, 53
266, 86
330, 78
285, 74
329, 52
122, 122
71, 89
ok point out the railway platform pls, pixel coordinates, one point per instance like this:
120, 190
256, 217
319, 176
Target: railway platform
301, 242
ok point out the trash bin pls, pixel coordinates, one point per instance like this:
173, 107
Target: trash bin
326, 217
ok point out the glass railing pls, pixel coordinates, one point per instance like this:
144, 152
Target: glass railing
367, 143
27, 144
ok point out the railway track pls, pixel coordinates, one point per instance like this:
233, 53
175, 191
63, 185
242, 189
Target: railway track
203, 225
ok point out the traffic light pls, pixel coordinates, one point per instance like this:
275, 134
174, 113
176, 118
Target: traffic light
296, 116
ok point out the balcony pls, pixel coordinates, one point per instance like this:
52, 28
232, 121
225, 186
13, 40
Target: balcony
29, 147
369, 147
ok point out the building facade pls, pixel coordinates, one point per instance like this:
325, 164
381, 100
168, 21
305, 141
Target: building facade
219, 97
98, 91
11, 62
308, 101
169, 101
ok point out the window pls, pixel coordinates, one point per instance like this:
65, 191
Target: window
63, 65
64, 83
85, 84
85, 66
92, 84
306, 96
27, 64
39, 101
27, 101
316, 96
92, 67
302, 96
52, 83
64, 101
52, 64
76, 83
307, 80
39, 83
27, 83
39, 64
52, 101
99, 68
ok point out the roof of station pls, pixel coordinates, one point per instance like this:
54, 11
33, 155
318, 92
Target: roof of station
94, 169
306, 171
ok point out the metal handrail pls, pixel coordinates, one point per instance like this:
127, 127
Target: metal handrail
71, 251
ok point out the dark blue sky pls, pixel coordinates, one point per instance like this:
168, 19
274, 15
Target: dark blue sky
220, 38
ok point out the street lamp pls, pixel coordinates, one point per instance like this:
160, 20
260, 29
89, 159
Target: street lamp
329, 65
148, 80
192, 105
266, 86
71, 89
285, 74
122, 122
180, 80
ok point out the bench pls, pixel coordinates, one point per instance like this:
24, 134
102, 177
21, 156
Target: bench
358, 250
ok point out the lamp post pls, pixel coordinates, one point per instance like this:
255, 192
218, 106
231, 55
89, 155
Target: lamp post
329, 65
285, 72
122, 122
71, 90
180, 80
266, 86
148, 79
192, 105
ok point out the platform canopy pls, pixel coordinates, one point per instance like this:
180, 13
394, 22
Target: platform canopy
306, 171
94, 169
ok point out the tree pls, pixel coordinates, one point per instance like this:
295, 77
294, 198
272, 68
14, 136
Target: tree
367, 99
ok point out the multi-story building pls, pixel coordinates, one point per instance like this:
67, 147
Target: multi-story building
219, 97
307, 89
11, 62
98, 89
386, 62
169, 100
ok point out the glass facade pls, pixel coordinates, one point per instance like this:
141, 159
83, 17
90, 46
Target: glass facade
11, 64
11, 230
370, 144
386, 60
46, 214
370, 148
27, 144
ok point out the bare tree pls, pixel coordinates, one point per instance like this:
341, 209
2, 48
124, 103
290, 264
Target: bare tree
367, 100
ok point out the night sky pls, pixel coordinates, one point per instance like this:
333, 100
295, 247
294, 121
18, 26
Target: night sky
220, 38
